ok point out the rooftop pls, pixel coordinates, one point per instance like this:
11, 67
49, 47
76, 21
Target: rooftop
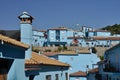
79, 73
106, 38
59, 28
68, 52
39, 59
13, 41
93, 70
85, 51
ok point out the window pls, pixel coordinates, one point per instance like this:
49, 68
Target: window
66, 75
31, 77
48, 77
56, 77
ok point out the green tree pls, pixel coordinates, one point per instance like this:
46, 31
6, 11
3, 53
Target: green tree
101, 57
60, 48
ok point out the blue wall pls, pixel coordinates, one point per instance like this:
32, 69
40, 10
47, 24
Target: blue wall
49, 70
79, 62
15, 61
78, 78
38, 38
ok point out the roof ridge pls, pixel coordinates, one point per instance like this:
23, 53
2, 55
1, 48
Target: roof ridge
13, 41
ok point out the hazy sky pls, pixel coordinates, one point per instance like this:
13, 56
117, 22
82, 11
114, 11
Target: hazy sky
53, 13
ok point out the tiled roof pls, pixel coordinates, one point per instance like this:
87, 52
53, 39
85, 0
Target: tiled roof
57, 28
68, 52
83, 51
93, 70
13, 41
79, 73
38, 59
98, 31
106, 38
101, 62
50, 53
77, 37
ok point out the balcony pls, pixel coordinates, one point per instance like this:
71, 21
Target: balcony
111, 68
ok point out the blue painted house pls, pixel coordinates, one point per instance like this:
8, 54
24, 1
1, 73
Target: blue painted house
79, 61
109, 68
103, 33
44, 68
12, 57
39, 38
78, 75
57, 36
93, 74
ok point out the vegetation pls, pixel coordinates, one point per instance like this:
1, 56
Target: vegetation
35, 50
101, 58
114, 29
64, 48
60, 48
48, 50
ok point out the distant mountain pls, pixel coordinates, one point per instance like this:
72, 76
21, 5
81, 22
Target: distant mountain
15, 34
114, 29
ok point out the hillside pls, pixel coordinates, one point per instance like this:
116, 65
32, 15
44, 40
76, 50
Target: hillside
15, 34
114, 29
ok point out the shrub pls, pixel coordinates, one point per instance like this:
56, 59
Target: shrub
64, 48
101, 57
48, 50
60, 48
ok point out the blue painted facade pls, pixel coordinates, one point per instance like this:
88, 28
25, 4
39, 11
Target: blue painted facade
77, 78
39, 38
109, 68
64, 36
56, 37
11, 60
55, 72
78, 62
99, 33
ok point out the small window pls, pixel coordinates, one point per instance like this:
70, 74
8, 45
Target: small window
56, 77
48, 77
66, 75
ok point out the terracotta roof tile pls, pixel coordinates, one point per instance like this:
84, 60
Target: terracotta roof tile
49, 53
67, 52
13, 41
106, 38
98, 31
77, 37
44, 60
79, 73
93, 70
83, 51
58, 28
